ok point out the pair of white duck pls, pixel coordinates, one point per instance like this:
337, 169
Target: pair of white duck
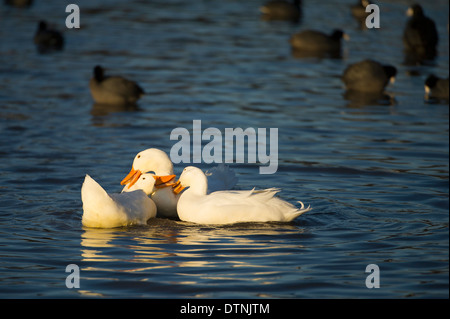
208, 199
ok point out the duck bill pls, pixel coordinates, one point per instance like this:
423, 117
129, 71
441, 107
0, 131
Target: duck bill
392, 80
346, 37
131, 178
164, 181
177, 187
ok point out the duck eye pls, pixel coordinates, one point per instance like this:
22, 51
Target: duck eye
138, 156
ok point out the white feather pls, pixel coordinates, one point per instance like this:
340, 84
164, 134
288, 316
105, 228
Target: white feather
225, 207
157, 161
101, 210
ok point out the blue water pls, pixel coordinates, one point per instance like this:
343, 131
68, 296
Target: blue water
376, 174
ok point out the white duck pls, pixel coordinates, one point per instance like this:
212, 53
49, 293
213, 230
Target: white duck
157, 161
103, 210
226, 207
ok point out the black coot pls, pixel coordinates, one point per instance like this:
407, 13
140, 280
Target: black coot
436, 87
368, 76
311, 41
282, 10
113, 89
420, 37
47, 40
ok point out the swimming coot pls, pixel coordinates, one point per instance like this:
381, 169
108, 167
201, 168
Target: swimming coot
420, 36
436, 87
316, 41
113, 89
19, 3
48, 40
281, 10
368, 76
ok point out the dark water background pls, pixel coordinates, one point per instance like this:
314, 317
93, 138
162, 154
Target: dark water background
376, 174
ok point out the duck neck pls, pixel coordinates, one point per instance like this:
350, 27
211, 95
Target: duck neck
163, 170
200, 187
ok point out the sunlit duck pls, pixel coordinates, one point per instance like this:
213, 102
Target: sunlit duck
47, 40
226, 207
158, 162
103, 210
113, 89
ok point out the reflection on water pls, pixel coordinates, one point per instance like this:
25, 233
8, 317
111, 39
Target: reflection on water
359, 99
105, 109
198, 255
146, 242
303, 54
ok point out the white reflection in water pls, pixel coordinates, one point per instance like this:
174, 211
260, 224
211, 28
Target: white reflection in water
240, 246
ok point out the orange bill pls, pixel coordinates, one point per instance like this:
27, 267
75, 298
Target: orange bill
164, 181
131, 178
177, 187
